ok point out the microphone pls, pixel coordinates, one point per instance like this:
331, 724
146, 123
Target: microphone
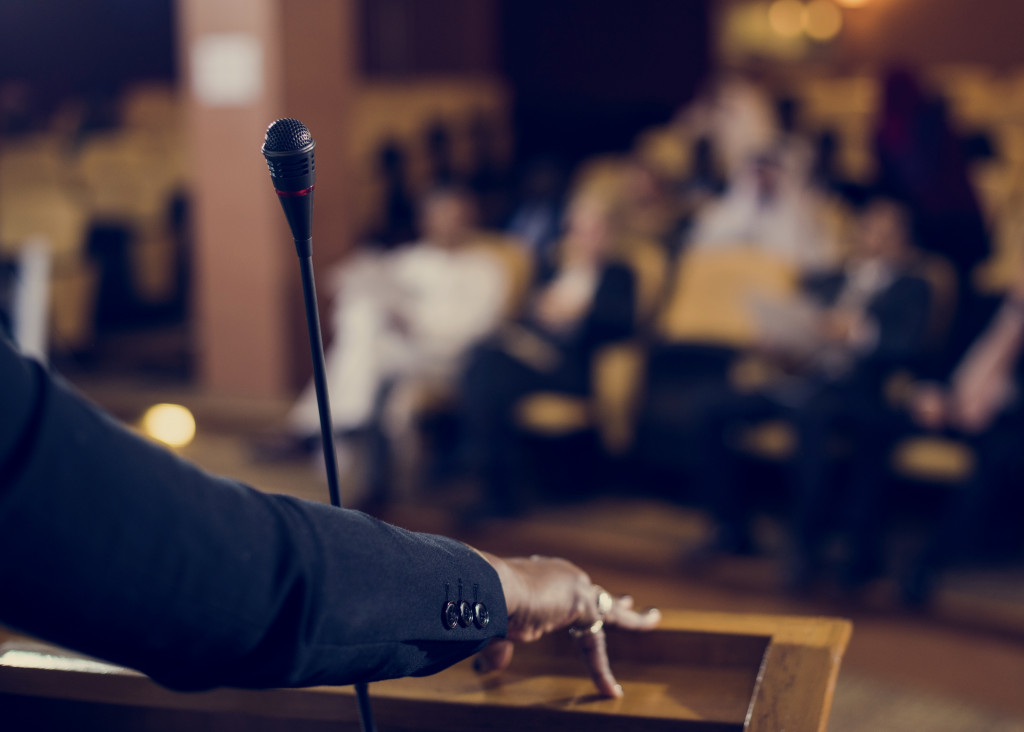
289, 151
288, 148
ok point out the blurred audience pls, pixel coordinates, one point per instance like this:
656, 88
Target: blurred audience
769, 205
654, 209
580, 301
922, 160
403, 320
981, 404
397, 221
734, 171
833, 351
537, 218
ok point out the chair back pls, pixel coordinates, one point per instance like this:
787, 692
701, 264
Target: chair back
515, 261
711, 290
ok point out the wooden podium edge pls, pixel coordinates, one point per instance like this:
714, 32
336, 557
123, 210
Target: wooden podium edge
793, 691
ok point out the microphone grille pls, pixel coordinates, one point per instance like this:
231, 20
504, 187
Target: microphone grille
287, 135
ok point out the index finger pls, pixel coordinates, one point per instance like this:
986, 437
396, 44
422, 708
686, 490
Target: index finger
595, 656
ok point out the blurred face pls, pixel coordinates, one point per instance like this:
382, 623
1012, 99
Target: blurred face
446, 221
883, 233
590, 232
768, 175
644, 186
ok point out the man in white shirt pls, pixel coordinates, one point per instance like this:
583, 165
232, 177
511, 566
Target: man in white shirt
770, 206
404, 318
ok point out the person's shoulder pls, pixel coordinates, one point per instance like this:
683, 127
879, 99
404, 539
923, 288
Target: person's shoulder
411, 252
618, 275
912, 284
827, 277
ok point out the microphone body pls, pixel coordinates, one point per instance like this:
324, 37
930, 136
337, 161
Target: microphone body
289, 151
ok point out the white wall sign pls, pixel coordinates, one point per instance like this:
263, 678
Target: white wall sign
227, 69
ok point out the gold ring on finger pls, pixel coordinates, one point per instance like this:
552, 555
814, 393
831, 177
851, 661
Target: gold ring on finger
593, 629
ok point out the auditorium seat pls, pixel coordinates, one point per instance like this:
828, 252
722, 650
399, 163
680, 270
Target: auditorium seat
130, 177
711, 291
617, 369
37, 161
515, 260
59, 218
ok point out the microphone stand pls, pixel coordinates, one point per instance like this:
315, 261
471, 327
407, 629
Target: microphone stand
316, 344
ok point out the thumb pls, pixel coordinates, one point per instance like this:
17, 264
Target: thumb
496, 656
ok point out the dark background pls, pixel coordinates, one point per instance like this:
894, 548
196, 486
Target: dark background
585, 74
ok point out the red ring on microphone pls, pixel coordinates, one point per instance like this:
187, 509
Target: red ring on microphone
295, 194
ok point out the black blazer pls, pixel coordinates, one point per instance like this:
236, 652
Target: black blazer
901, 312
114, 547
611, 317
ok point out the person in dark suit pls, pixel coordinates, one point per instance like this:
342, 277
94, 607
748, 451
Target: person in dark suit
980, 403
869, 319
581, 303
111, 546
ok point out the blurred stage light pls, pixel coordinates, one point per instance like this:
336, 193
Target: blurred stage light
822, 20
853, 3
786, 17
171, 424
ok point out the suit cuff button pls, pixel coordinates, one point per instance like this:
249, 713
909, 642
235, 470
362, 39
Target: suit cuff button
450, 615
465, 614
481, 615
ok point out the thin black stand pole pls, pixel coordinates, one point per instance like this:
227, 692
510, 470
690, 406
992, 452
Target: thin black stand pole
316, 345
323, 402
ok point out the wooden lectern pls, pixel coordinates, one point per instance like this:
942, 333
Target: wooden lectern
699, 671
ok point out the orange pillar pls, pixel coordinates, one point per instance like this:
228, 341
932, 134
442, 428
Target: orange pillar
244, 64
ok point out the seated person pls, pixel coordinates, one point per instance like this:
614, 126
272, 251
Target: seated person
536, 220
654, 209
770, 205
857, 326
584, 301
410, 315
980, 404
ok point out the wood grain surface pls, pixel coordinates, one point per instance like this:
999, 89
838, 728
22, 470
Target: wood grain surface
699, 671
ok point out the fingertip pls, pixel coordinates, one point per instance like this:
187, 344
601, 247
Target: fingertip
617, 691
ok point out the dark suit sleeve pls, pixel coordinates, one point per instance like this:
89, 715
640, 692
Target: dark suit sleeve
902, 318
114, 547
822, 287
612, 316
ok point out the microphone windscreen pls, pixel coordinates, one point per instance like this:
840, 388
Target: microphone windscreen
287, 135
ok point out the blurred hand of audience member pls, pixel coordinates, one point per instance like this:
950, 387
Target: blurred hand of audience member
976, 402
843, 326
929, 406
559, 309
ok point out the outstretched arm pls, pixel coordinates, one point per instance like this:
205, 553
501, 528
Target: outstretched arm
114, 547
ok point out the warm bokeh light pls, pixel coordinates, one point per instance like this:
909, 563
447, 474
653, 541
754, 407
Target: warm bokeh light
822, 20
171, 424
853, 3
786, 17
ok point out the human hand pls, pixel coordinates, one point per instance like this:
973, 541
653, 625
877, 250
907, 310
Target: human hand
842, 326
929, 407
558, 312
543, 595
975, 404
